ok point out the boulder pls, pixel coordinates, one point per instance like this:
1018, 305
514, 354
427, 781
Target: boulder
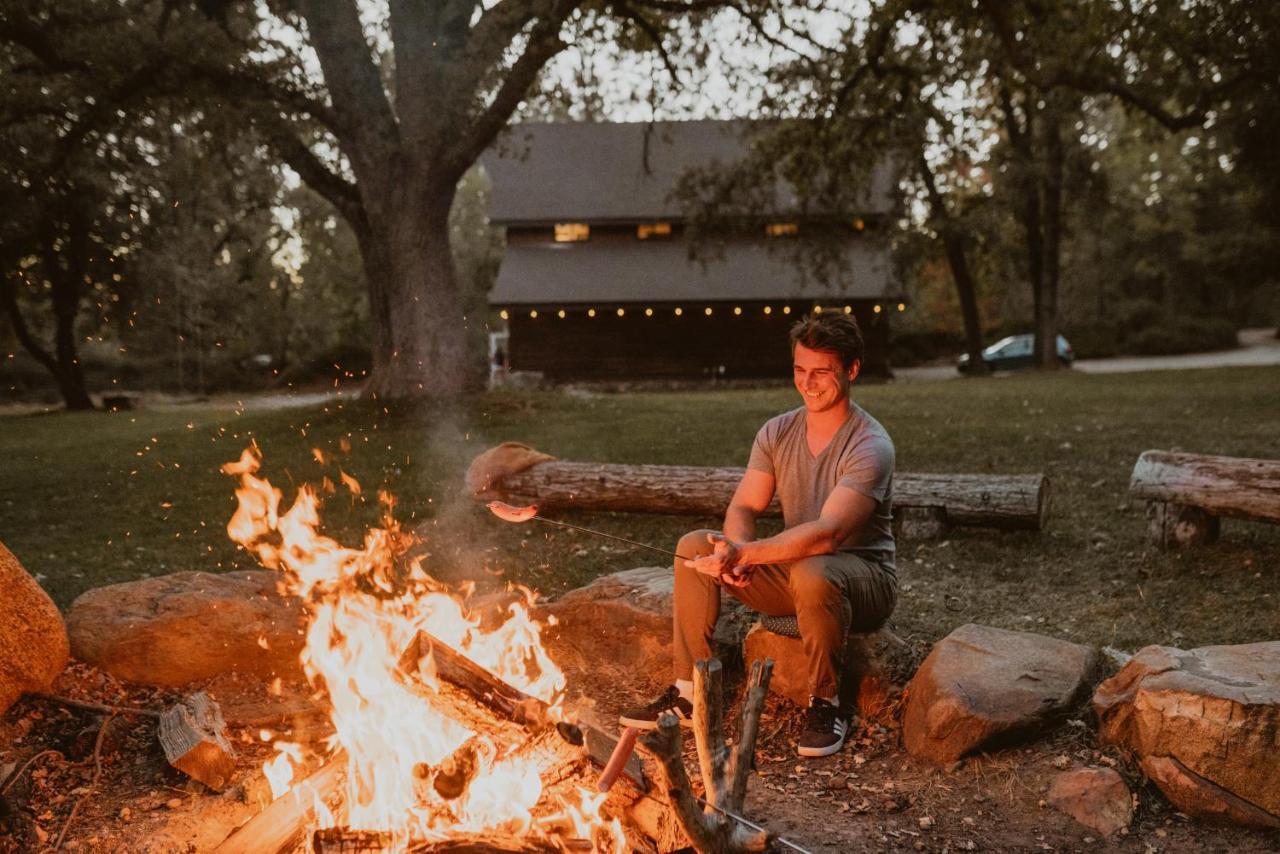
613, 636
33, 639
981, 688
172, 630
1205, 724
876, 667
1096, 797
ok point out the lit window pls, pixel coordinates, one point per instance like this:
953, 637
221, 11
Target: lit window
646, 230
859, 224
782, 229
572, 232
503, 314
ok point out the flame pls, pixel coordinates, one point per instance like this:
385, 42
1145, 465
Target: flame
363, 611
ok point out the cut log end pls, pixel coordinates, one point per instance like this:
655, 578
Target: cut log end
1177, 526
193, 735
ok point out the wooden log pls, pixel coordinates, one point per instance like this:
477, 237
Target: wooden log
194, 737
341, 840
513, 704
1237, 487
1177, 526
282, 825
1019, 501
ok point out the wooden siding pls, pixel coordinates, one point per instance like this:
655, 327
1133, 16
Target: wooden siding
753, 345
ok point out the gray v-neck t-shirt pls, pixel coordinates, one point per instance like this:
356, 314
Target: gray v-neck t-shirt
860, 457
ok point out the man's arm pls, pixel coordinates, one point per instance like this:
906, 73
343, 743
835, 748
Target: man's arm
844, 512
750, 499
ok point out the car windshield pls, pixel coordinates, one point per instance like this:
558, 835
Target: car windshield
998, 347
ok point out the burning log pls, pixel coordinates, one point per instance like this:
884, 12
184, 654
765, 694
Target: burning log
282, 825
193, 735
512, 704
344, 841
724, 772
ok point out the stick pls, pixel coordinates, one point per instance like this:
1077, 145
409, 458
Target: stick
748, 728
93, 784
95, 707
708, 728
13, 778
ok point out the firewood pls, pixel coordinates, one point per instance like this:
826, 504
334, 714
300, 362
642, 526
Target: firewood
280, 827
1016, 501
193, 735
511, 703
724, 773
341, 840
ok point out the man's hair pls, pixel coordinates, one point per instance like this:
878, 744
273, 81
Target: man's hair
831, 331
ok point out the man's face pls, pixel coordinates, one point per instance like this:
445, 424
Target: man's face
822, 381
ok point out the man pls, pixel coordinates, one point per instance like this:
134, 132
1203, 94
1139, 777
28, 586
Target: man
832, 566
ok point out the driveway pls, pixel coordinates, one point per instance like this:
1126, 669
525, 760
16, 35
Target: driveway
1257, 347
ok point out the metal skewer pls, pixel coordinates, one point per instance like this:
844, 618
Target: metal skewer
751, 825
511, 513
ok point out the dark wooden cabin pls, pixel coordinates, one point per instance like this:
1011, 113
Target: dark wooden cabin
598, 282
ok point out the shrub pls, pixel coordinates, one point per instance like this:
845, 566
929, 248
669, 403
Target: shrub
1172, 335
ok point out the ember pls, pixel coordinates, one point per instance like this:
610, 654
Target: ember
417, 769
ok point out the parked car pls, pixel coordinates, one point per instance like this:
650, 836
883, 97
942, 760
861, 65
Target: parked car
1014, 352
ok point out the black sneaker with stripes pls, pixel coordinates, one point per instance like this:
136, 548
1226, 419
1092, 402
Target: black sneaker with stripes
646, 717
824, 729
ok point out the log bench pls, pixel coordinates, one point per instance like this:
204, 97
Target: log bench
924, 505
1187, 494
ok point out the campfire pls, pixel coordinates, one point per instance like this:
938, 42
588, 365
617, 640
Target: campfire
442, 727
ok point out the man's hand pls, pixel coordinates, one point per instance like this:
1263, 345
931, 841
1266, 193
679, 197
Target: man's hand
722, 564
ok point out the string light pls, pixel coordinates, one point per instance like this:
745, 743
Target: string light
902, 306
648, 312
533, 313
877, 309
560, 314
679, 311
786, 309
707, 311
591, 312
768, 310
817, 309
737, 309
848, 309
503, 314
621, 312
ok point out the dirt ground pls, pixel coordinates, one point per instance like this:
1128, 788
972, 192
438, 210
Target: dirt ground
870, 797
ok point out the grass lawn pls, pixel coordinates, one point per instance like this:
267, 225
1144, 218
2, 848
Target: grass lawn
88, 499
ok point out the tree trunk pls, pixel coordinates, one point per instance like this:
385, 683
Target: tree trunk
419, 330
961, 275
1046, 340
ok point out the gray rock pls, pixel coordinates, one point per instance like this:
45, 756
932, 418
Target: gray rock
1205, 724
876, 668
982, 688
1096, 797
189, 626
33, 639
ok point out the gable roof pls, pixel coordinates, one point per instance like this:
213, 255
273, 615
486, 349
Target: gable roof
621, 171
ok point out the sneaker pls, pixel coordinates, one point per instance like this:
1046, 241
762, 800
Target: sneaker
824, 729
646, 717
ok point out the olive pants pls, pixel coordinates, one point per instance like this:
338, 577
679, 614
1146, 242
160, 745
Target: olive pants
830, 595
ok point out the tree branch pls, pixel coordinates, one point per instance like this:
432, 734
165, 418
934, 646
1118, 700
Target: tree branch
650, 29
